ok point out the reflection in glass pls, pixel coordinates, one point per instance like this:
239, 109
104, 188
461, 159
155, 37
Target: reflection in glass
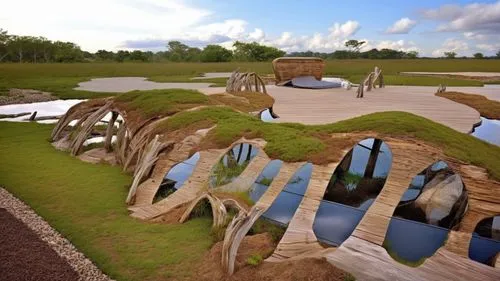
435, 196
485, 243
176, 177
434, 203
265, 179
353, 187
286, 203
232, 164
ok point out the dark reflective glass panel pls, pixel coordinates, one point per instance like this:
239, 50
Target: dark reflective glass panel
353, 187
265, 179
176, 177
411, 241
286, 203
485, 242
232, 164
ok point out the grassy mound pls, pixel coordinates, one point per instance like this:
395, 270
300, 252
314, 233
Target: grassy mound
486, 107
296, 142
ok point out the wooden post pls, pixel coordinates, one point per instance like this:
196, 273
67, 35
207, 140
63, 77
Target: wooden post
32, 117
109, 131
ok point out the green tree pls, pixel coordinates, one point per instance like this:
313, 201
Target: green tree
255, 52
177, 51
4, 41
215, 53
450, 55
17, 46
67, 52
354, 45
122, 55
478, 56
498, 54
192, 55
47, 48
412, 54
104, 55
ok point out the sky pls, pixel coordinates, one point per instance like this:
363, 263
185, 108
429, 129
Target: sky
429, 27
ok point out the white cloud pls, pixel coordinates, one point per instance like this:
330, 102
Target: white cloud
451, 45
472, 17
489, 47
344, 30
400, 45
257, 35
402, 26
98, 24
475, 36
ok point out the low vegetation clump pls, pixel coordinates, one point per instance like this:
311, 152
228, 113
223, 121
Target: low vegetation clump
254, 260
161, 102
486, 107
263, 225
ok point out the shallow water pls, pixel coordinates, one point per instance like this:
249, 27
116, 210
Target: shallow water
48, 108
126, 84
489, 131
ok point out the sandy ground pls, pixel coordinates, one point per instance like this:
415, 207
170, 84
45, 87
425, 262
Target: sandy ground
210, 75
126, 84
470, 74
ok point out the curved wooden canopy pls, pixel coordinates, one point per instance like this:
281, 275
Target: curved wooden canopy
287, 68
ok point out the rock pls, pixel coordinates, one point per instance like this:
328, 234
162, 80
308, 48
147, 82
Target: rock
495, 228
439, 195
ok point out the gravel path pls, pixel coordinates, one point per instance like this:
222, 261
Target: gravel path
84, 268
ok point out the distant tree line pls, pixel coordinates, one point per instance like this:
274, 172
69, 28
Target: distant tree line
15, 48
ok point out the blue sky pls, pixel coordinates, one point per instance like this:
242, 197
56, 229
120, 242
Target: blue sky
429, 27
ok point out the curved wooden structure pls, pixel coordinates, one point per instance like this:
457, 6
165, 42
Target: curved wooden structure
287, 68
246, 81
142, 149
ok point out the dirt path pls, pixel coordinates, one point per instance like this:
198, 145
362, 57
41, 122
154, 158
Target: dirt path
24, 256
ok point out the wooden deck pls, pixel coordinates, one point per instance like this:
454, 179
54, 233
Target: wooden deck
333, 105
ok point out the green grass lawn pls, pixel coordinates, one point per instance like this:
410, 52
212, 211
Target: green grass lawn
62, 78
86, 203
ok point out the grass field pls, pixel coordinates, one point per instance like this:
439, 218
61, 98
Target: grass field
62, 78
86, 203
